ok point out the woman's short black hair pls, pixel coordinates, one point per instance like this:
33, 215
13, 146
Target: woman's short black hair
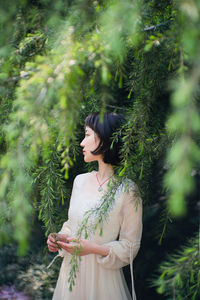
105, 128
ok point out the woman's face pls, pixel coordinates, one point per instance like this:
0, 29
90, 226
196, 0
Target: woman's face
90, 143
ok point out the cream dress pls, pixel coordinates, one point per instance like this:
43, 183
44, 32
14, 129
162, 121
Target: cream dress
101, 278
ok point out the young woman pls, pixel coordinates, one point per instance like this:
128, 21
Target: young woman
100, 274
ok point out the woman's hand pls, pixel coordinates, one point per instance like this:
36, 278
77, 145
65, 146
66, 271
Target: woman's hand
51, 244
53, 240
85, 246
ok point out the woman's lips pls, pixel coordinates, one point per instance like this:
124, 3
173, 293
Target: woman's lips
83, 151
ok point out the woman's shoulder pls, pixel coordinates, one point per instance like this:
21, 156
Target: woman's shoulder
81, 177
127, 185
130, 189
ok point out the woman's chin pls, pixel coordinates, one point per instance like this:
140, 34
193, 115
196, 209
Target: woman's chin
85, 158
89, 159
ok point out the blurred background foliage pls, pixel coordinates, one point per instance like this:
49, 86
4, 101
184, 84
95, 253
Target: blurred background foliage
59, 61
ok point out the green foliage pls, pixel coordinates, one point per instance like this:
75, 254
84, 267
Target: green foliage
184, 122
52, 187
32, 126
179, 274
60, 60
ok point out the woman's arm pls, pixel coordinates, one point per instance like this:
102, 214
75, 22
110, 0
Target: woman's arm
123, 251
86, 247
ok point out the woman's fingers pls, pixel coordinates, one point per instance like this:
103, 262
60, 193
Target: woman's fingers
65, 245
62, 237
51, 244
50, 238
52, 249
68, 246
72, 239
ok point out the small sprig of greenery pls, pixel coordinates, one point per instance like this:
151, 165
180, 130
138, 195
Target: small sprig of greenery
93, 218
74, 261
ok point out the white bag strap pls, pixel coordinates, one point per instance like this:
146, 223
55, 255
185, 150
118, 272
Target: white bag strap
131, 268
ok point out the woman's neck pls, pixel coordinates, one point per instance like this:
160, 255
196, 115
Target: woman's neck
104, 170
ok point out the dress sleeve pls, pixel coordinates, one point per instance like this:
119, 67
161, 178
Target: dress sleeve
123, 251
66, 229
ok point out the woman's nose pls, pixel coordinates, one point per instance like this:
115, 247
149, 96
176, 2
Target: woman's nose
81, 144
